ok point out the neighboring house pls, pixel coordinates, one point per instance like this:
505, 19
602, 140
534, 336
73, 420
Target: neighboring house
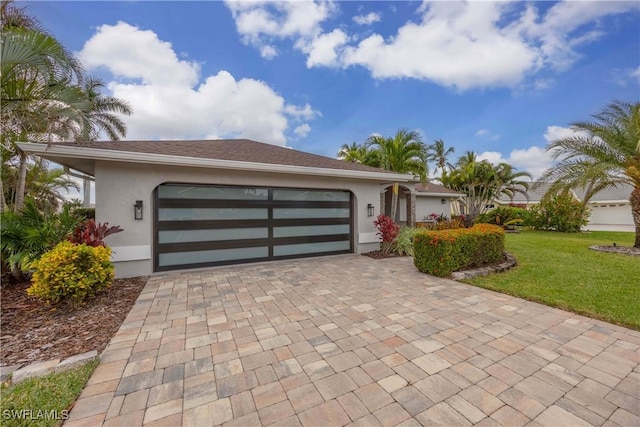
610, 208
206, 203
417, 201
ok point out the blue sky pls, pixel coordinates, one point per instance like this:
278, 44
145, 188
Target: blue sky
499, 78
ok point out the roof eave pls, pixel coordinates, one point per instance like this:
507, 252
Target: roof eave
151, 158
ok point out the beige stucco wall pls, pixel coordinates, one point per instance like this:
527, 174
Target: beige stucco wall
119, 185
426, 205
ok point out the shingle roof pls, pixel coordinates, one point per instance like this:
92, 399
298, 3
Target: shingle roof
434, 188
622, 192
242, 150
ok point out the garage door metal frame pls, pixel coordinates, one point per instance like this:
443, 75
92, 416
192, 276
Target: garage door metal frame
270, 223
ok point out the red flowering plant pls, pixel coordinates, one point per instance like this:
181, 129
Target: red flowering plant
91, 233
387, 231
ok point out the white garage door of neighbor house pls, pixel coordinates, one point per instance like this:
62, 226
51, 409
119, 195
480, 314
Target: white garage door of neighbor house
208, 225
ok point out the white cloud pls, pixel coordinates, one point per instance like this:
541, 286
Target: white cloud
367, 19
461, 45
487, 134
149, 58
322, 51
303, 130
558, 132
172, 101
534, 159
625, 76
262, 22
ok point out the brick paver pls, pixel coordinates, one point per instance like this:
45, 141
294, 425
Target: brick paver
348, 340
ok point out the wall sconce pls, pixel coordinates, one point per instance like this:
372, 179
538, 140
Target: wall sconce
137, 210
443, 201
370, 210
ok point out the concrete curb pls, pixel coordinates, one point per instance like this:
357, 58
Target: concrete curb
39, 369
509, 263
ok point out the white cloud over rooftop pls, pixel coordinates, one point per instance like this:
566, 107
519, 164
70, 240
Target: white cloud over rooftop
171, 100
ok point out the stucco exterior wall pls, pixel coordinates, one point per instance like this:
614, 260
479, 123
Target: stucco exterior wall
426, 205
119, 185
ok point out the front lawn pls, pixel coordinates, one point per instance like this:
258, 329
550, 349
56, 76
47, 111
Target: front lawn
560, 270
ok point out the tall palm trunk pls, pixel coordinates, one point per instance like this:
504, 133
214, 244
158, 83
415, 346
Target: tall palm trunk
22, 180
635, 211
3, 202
394, 201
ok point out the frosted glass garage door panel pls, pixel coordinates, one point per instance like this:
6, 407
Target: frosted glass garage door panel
203, 214
182, 236
310, 248
285, 213
311, 230
312, 195
212, 193
217, 255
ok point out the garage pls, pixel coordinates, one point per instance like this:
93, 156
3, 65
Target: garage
209, 225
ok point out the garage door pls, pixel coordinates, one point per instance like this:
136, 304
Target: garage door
205, 225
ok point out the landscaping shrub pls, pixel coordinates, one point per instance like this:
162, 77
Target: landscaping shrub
387, 231
561, 212
403, 243
440, 253
93, 234
28, 234
502, 216
70, 273
86, 213
450, 224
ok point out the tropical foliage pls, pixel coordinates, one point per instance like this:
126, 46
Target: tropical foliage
482, 182
439, 253
558, 212
70, 273
387, 232
403, 153
601, 154
29, 233
45, 97
438, 154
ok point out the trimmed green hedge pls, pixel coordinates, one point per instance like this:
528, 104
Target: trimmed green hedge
440, 253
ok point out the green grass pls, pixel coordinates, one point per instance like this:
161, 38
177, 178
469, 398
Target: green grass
37, 401
559, 269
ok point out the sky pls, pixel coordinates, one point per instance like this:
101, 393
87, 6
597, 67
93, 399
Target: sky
499, 78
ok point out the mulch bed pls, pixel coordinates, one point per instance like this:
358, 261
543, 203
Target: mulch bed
32, 331
625, 250
379, 255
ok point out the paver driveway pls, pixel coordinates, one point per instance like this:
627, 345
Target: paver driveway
340, 340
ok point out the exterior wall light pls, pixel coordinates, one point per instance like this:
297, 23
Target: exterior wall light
137, 210
443, 201
370, 210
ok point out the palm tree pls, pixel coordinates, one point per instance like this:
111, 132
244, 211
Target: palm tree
100, 111
354, 153
403, 153
602, 154
481, 183
438, 153
45, 96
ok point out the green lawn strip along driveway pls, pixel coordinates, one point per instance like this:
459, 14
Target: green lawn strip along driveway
559, 269
43, 401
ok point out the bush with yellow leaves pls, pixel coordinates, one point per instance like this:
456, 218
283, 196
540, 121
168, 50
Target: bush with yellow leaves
70, 273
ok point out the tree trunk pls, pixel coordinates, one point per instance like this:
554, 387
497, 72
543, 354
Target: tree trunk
394, 202
635, 211
3, 202
22, 181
